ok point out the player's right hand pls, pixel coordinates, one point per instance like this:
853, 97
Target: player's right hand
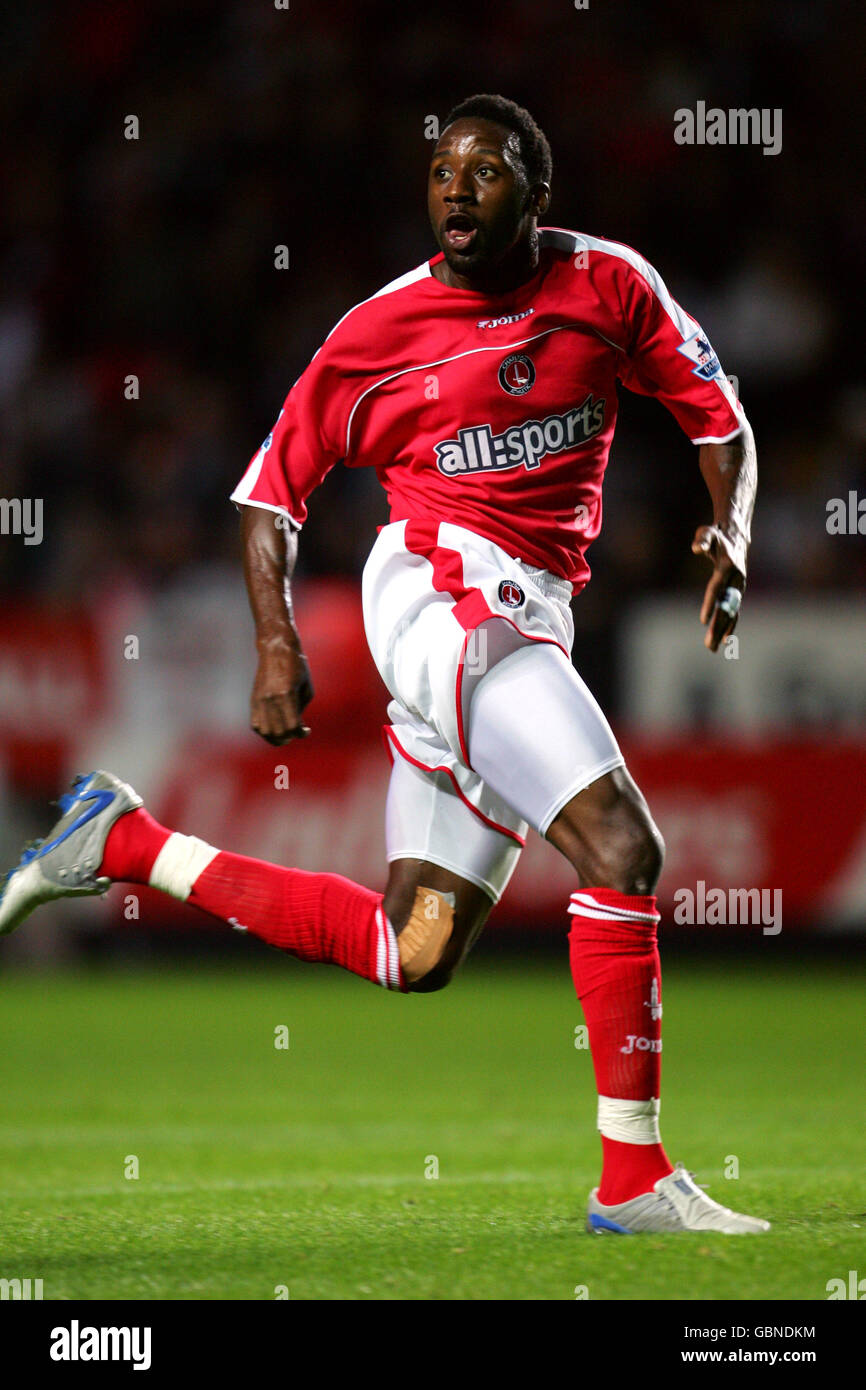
711, 543
281, 691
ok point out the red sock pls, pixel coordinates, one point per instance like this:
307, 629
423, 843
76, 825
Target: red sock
321, 917
617, 975
133, 843
316, 917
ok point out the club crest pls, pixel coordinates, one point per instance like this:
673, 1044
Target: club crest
511, 594
517, 374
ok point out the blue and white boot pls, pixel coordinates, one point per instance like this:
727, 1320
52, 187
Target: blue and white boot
676, 1203
65, 863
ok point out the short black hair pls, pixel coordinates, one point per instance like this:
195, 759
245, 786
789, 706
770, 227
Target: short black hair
534, 147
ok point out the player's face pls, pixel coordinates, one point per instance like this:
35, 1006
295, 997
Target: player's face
481, 205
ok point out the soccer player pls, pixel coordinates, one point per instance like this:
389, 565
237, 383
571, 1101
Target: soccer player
481, 386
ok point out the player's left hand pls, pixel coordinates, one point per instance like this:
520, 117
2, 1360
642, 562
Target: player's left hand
725, 589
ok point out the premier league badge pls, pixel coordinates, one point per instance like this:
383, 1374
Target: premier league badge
511, 594
517, 374
699, 351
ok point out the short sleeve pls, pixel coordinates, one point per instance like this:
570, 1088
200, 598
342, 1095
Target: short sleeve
669, 356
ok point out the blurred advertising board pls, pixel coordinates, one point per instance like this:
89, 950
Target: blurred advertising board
792, 666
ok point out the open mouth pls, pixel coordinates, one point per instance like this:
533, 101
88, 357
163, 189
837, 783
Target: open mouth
459, 231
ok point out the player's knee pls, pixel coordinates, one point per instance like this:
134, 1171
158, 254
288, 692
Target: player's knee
632, 856
618, 846
424, 930
609, 837
648, 860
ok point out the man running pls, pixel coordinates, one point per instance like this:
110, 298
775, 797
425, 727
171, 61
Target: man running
482, 387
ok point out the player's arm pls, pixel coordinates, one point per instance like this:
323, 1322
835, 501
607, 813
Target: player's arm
282, 686
730, 472
669, 356
308, 438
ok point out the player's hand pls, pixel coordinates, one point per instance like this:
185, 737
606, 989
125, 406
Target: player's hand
725, 589
281, 691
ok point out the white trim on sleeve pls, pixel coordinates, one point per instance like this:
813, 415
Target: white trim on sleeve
720, 438
265, 507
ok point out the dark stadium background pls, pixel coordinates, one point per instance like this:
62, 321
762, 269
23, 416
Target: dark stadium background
305, 127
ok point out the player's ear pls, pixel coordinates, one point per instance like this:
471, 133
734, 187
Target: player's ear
540, 199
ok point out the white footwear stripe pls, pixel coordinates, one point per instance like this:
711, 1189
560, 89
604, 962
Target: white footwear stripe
587, 900
380, 917
182, 859
585, 905
388, 953
597, 910
574, 911
381, 952
394, 959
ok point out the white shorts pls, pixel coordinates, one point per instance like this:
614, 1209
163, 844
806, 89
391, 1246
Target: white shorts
488, 713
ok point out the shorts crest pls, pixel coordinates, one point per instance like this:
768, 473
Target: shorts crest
511, 594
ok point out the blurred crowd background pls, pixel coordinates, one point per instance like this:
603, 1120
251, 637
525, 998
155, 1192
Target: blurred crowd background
305, 126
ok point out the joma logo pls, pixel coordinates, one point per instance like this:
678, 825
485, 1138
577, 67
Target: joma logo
636, 1044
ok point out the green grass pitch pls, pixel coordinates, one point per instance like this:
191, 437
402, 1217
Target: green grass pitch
308, 1171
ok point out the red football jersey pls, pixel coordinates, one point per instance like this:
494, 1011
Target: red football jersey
496, 413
